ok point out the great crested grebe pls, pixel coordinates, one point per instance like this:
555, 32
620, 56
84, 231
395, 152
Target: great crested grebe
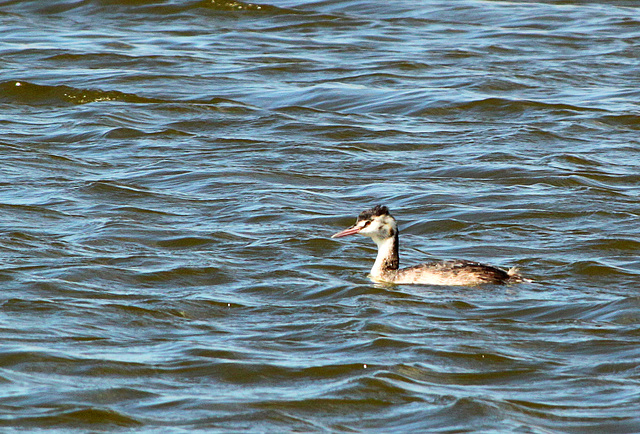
379, 225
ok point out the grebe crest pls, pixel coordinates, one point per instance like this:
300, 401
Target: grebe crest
378, 224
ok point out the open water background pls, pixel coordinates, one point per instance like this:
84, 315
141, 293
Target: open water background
171, 172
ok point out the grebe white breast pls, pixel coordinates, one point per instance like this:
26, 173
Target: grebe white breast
378, 224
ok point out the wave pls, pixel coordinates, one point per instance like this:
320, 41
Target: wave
24, 92
73, 419
631, 121
166, 7
240, 6
487, 107
341, 97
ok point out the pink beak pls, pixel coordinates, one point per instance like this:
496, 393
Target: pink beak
349, 231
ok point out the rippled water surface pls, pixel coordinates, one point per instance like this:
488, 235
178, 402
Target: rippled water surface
172, 171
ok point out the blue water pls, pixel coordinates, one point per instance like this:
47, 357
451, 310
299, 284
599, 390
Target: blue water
172, 172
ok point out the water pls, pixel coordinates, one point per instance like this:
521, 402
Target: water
172, 172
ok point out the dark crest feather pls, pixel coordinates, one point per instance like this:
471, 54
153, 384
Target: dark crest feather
376, 211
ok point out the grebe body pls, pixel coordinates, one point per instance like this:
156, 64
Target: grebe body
378, 224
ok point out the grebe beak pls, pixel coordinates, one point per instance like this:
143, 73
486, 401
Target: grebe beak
349, 231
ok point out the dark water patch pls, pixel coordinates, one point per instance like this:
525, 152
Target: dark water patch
226, 6
113, 60
23, 92
384, 344
144, 7
621, 121
124, 133
247, 372
595, 268
615, 245
38, 361
185, 242
505, 107
38, 7
327, 406
493, 84
587, 163
86, 418
133, 133
116, 191
43, 307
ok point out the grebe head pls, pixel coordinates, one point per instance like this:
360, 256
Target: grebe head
376, 223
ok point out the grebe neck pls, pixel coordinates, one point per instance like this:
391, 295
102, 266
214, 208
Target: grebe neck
388, 259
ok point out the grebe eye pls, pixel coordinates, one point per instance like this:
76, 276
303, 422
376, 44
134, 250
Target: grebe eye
365, 224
